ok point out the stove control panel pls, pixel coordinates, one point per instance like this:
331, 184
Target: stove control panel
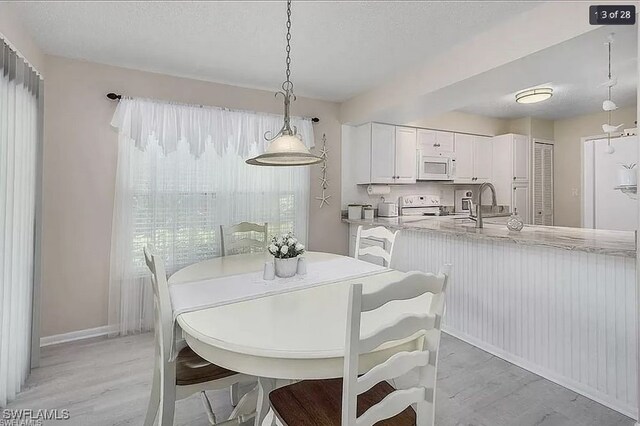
419, 201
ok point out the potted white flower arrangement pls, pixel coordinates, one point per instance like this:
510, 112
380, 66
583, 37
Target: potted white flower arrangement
285, 249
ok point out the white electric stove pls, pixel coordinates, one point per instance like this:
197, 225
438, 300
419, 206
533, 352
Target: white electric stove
419, 205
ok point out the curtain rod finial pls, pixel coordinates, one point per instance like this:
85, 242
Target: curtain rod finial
114, 96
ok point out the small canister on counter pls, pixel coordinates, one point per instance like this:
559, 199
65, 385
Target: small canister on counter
368, 212
354, 211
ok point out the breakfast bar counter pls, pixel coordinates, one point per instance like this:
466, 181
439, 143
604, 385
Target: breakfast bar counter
560, 302
615, 243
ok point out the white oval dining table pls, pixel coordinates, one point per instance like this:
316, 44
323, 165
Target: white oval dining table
293, 336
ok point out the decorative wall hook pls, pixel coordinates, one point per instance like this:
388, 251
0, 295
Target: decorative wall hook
324, 181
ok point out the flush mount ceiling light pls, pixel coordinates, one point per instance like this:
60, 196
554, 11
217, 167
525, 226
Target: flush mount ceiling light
533, 96
286, 148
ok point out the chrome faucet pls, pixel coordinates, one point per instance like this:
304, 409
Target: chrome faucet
478, 217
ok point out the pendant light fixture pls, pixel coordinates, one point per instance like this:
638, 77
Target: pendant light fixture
608, 105
286, 147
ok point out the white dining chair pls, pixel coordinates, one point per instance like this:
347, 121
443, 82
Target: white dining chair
379, 233
188, 373
236, 239
370, 399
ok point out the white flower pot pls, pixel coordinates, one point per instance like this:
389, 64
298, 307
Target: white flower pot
286, 268
627, 176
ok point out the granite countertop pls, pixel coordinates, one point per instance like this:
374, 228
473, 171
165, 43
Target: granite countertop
615, 243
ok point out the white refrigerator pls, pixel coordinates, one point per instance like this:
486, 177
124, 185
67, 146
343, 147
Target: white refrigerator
603, 206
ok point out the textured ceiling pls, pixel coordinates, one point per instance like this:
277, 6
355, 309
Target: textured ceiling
339, 49
574, 69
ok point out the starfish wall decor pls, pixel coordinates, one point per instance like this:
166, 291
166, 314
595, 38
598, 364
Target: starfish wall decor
324, 181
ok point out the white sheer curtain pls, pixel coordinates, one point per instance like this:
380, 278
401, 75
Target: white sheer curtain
181, 174
19, 91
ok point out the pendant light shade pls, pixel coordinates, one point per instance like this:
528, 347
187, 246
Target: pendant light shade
286, 148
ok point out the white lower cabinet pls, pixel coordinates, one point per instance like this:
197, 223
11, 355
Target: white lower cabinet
520, 200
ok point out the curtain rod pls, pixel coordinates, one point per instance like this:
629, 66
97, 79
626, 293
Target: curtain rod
117, 97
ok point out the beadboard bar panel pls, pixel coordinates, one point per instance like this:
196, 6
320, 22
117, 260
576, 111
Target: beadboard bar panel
569, 316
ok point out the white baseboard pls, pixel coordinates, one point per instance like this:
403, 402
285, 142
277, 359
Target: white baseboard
76, 335
563, 381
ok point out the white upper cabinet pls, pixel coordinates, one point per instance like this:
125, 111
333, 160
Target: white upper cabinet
482, 158
383, 148
405, 153
474, 158
521, 150
464, 158
435, 142
384, 154
511, 156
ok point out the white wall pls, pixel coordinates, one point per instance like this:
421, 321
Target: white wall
80, 150
567, 169
11, 29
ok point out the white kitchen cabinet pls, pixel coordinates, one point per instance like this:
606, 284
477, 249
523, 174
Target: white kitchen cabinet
474, 158
511, 172
405, 154
511, 158
435, 143
464, 158
520, 201
384, 154
482, 158
521, 151
383, 148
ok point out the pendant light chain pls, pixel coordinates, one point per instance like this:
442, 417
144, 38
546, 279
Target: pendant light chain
286, 148
287, 86
609, 90
609, 94
288, 83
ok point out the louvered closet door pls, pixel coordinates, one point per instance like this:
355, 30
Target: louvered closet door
543, 184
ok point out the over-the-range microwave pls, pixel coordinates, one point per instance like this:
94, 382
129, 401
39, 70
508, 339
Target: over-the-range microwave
435, 167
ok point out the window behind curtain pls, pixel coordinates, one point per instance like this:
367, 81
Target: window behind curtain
175, 202
20, 137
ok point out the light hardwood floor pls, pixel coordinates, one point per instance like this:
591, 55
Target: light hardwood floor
107, 382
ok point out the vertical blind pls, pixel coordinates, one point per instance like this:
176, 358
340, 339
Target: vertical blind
181, 174
20, 90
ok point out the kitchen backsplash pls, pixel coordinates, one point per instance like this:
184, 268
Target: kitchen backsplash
358, 193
